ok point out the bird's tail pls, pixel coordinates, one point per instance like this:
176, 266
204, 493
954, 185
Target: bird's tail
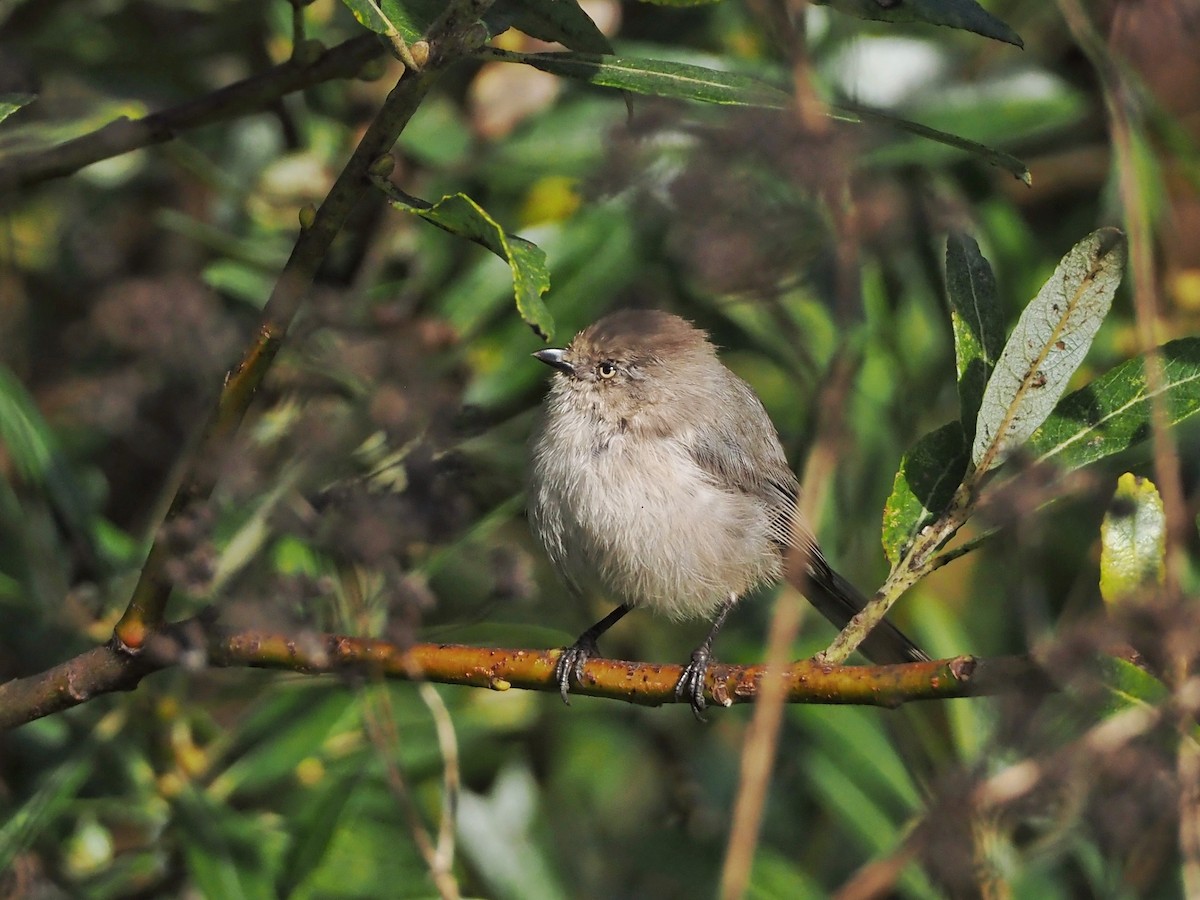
839, 601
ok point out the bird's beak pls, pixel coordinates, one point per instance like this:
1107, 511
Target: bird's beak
553, 357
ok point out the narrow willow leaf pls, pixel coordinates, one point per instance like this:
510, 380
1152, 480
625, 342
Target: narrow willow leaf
498, 834
1133, 540
655, 77
10, 103
929, 475
559, 20
214, 835
315, 826
460, 215
37, 457
53, 798
683, 81
1050, 340
1113, 413
965, 14
990, 155
370, 16
978, 327
25, 435
1129, 685
408, 18
412, 17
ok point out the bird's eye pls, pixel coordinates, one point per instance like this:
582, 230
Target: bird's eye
606, 369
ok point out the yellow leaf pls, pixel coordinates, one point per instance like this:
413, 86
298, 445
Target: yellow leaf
1132, 540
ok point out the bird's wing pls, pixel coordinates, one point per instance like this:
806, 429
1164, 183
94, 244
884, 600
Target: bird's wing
719, 448
740, 452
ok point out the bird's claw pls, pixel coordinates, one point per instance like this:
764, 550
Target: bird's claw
691, 684
570, 666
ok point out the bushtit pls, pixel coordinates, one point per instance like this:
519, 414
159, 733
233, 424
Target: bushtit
658, 478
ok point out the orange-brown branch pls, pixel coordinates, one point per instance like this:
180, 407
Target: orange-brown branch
106, 670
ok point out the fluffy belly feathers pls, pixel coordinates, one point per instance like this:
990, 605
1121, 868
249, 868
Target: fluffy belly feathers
700, 534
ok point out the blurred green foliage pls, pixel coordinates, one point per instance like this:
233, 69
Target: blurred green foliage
376, 486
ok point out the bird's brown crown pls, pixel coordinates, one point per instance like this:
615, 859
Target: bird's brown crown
639, 334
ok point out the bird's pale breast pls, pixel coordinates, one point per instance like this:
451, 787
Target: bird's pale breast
670, 539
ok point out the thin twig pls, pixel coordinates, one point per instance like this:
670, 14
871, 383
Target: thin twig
380, 721
451, 773
254, 94
917, 562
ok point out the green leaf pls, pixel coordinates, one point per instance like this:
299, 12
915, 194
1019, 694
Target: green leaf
24, 432
849, 762
1130, 685
438, 135
314, 829
408, 18
655, 77
370, 16
596, 257
57, 791
35, 453
10, 103
412, 17
778, 875
287, 729
460, 215
965, 14
496, 832
855, 113
978, 328
929, 474
1004, 110
1133, 540
559, 20
684, 81
859, 743
367, 856
1050, 341
247, 283
1112, 413
226, 852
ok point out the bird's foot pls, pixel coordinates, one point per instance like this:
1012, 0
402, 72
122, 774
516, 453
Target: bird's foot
571, 662
691, 683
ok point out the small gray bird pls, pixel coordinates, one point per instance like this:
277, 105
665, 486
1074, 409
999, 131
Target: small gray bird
658, 478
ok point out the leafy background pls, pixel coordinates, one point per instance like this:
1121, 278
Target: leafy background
376, 486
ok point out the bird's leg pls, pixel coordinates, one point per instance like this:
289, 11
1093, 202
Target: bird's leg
570, 663
691, 682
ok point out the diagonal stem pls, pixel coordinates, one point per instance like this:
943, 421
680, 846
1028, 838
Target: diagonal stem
918, 562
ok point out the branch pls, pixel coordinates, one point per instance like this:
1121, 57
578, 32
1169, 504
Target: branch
196, 643
242, 98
